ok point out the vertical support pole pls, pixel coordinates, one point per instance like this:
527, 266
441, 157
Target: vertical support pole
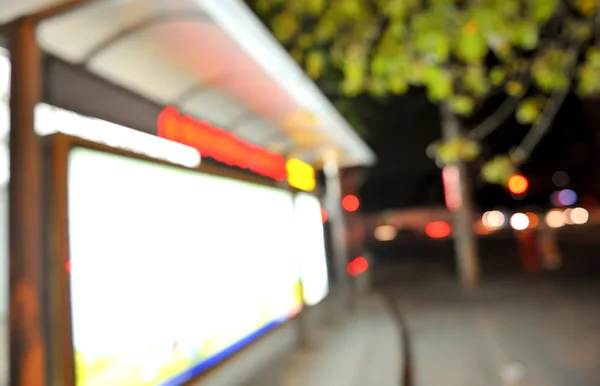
333, 197
28, 346
465, 243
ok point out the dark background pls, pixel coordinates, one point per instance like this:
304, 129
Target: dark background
401, 128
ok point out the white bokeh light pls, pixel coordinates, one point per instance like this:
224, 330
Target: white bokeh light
519, 221
555, 218
385, 233
493, 219
579, 216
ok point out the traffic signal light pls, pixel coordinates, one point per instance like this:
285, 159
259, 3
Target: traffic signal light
518, 184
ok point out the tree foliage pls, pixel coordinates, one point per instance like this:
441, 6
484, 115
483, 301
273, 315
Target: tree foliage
461, 51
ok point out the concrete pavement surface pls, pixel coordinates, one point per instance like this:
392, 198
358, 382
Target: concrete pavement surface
526, 332
363, 349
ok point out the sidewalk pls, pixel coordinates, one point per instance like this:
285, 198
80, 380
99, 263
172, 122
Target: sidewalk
518, 332
363, 350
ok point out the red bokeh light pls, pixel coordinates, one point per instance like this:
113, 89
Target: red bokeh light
438, 229
324, 215
68, 266
350, 203
518, 184
357, 266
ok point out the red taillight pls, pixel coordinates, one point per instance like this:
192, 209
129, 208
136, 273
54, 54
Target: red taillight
438, 229
357, 266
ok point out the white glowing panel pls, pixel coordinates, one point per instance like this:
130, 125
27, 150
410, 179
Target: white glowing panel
172, 270
310, 244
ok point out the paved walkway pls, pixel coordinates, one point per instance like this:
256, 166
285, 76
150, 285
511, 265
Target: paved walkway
520, 332
363, 350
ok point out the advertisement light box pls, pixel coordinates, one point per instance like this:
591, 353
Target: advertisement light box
172, 270
311, 248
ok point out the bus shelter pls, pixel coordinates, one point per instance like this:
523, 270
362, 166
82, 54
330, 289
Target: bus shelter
125, 62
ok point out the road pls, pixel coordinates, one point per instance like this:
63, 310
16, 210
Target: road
515, 331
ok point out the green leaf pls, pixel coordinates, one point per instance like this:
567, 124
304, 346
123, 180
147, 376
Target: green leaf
315, 7
395, 9
542, 10
451, 151
305, 41
525, 35
439, 83
469, 149
416, 72
515, 89
471, 48
529, 111
315, 64
434, 45
498, 170
497, 76
377, 87
462, 104
588, 80
285, 26
379, 65
263, 6
475, 81
586, 7
593, 57
398, 85
549, 70
507, 8
354, 74
326, 28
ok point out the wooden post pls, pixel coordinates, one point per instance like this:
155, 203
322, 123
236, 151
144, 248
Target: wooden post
465, 242
28, 343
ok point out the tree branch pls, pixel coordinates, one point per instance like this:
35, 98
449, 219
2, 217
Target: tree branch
491, 123
506, 109
541, 127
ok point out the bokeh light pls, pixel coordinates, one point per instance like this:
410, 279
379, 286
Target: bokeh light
579, 216
518, 184
324, 215
385, 233
493, 219
438, 229
357, 266
533, 219
350, 203
566, 197
555, 218
567, 216
519, 221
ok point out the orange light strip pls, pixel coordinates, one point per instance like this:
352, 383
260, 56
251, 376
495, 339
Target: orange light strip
220, 144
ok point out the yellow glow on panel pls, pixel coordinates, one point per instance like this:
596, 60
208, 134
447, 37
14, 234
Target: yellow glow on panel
301, 175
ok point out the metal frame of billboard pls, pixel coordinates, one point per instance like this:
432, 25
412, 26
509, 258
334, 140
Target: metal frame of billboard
57, 148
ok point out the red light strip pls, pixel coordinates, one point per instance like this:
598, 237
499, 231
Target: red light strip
220, 144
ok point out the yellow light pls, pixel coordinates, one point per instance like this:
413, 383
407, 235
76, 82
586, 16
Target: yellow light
301, 175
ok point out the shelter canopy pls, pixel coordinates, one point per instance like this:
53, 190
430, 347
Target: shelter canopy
212, 59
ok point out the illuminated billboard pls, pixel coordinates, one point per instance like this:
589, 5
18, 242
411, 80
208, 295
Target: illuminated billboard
311, 248
172, 270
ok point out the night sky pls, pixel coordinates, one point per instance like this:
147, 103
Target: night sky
401, 128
